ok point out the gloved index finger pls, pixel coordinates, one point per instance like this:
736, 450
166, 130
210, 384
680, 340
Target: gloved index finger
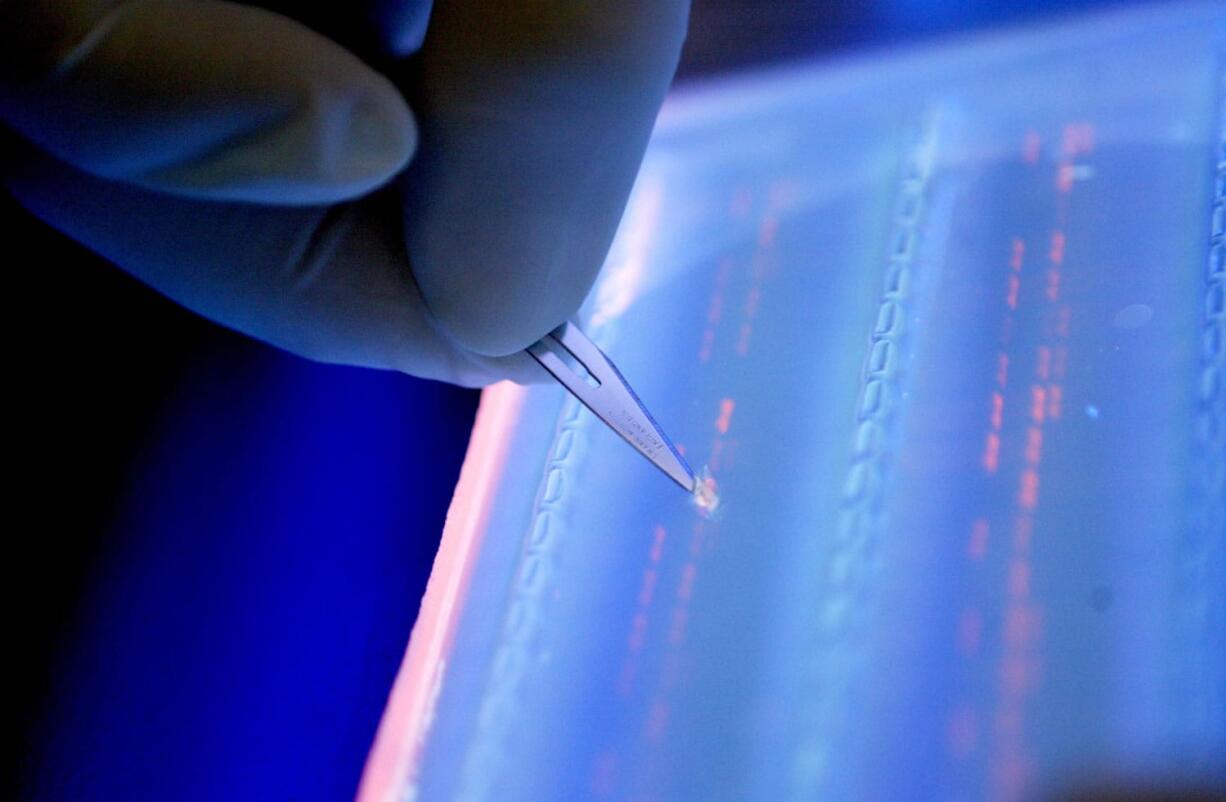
534, 116
207, 99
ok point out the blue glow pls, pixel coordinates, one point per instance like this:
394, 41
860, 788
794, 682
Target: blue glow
261, 581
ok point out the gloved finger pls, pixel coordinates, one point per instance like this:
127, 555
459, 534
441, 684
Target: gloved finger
373, 29
328, 283
203, 99
534, 116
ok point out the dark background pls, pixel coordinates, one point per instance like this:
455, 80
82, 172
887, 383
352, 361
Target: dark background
217, 549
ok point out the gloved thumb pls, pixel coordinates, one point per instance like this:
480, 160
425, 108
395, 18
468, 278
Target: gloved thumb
202, 99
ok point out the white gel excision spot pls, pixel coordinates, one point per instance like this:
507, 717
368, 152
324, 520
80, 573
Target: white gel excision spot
706, 494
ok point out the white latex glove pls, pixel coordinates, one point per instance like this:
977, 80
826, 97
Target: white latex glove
243, 163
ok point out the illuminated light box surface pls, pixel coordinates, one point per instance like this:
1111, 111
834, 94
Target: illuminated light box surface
947, 329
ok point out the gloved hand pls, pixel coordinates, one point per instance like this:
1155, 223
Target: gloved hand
253, 169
